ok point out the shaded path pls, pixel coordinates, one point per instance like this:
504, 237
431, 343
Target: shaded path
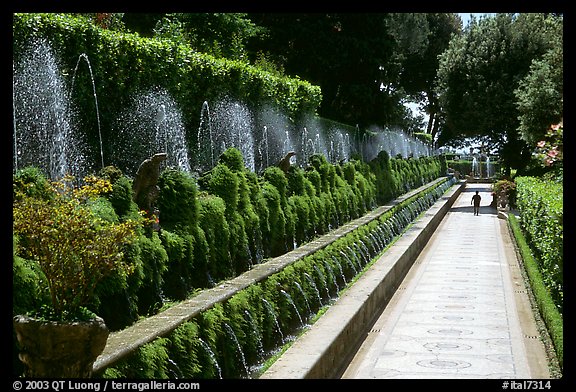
462, 310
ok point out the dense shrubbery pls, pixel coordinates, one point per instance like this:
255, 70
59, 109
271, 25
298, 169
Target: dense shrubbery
216, 228
542, 219
233, 338
548, 309
220, 225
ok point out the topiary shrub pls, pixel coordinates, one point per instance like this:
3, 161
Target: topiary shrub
213, 221
121, 198
233, 159
154, 265
178, 278
177, 201
222, 182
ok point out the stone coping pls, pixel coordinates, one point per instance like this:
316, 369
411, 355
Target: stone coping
324, 350
122, 343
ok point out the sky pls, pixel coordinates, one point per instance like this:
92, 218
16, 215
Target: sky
465, 16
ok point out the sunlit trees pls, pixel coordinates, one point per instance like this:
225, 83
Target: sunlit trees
480, 72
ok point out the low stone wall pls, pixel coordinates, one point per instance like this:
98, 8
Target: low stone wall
120, 344
324, 350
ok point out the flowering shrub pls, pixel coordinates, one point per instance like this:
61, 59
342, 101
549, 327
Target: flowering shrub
75, 248
505, 187
550, 150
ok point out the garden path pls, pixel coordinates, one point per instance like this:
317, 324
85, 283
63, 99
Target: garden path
462, 311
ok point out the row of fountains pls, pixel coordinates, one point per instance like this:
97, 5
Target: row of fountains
477, 171
46, 134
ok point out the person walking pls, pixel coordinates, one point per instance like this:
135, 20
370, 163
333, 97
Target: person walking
476, 200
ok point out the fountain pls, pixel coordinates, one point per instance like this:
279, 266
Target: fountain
293, 306
152, 124
205, 140
85, 57
211, 356
475, 167
45, 135
275, 140
44, 119
232, 123
488, 167
237, 347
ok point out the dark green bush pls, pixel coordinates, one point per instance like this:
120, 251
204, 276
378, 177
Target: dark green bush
29, 286
121, 198
154, 265
222, 182
177, 279
217, 232
177, 201
187, 356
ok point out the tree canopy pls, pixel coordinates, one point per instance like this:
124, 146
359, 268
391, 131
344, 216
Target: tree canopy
499, 80
481, 74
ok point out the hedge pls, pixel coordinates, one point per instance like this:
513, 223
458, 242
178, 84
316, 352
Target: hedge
126, 64
234, 338
541, 205
219, 226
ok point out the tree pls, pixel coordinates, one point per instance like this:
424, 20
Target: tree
350, 56
74, 247
421, 38
478, 76
540, 96
220, 34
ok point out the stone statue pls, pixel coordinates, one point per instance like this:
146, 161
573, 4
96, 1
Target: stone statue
284, 163
145, 190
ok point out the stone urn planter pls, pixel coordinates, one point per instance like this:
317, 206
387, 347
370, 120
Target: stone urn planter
55, 349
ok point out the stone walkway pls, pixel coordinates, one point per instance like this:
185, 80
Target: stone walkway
462, 311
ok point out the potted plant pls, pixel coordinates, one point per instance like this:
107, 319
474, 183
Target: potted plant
75, 249
505, 192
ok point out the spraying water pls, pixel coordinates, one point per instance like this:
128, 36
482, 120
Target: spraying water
44, 119
152, 124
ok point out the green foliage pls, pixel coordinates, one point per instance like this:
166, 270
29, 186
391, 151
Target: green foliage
148, 362
29, 286
186, 352
74, 247
541, 209
276, 244
539, 95
154, 266
177, 278
177, 200
31, 182
478, 78
217, 232
221, 34
121, 198
546, 305
232, 158
275, 176
223, 182
506, 187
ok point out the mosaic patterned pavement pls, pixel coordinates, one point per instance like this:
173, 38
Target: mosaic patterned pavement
456, 313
